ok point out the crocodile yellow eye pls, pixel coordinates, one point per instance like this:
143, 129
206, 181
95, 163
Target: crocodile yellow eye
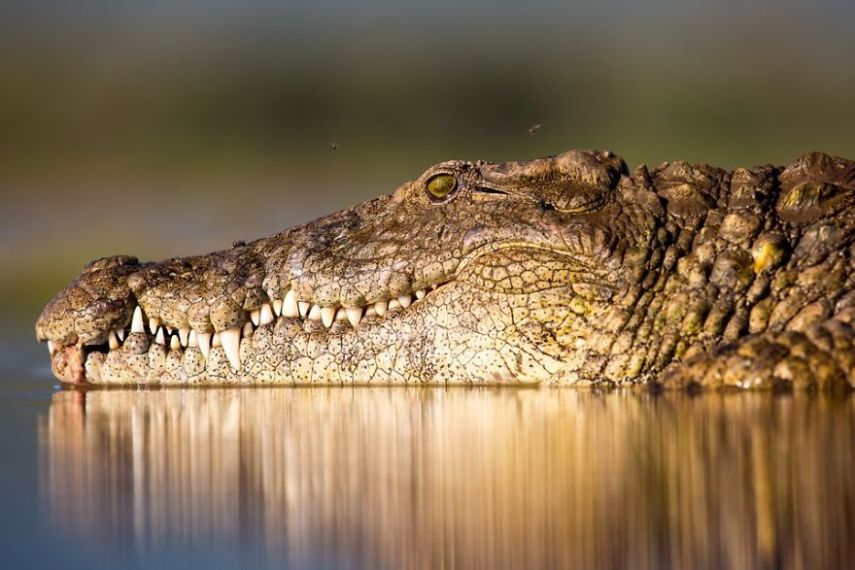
441, 185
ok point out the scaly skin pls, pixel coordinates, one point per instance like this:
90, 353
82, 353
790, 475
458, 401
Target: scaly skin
558, 270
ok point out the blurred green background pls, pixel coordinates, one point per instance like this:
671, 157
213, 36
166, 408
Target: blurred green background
170, 128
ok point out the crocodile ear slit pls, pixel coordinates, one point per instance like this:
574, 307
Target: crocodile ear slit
488, 190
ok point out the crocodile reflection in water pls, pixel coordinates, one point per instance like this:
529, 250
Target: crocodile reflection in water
421, 478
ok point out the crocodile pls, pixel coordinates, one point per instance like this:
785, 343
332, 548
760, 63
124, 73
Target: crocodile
570, 269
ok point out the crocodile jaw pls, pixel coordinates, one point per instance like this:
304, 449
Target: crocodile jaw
476, 328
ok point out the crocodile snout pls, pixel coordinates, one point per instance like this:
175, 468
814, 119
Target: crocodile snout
95, 303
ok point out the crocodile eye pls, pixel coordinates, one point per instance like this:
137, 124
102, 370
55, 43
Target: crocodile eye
441, 185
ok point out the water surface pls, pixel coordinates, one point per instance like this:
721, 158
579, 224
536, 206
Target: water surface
423, 478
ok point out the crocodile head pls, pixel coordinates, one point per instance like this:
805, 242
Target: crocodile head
474, 272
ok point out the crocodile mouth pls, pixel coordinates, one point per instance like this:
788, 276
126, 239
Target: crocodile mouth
80, 362
134, 332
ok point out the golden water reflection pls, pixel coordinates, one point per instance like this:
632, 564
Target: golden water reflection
459, 478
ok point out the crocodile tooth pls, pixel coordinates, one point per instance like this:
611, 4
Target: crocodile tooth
248, 330
394, 305
215, 340
153, 324
266, 315
113, 340
420, 294
193, 339
381, 307
277, 307
370, 311
314, 313
174, 343
354, 315
184, 336
328, 316
289, 305
120, 332
231, 345
341, 314
405, 300
204, 340
159, 338
303, 308
255, 316
137, 324
51, 346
